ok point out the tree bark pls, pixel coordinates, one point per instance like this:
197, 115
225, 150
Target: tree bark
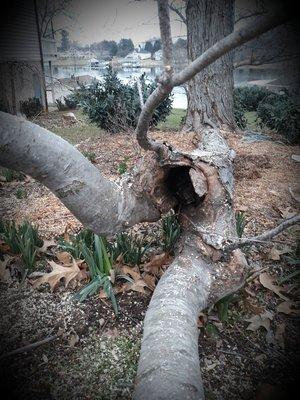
210, 99
98, 203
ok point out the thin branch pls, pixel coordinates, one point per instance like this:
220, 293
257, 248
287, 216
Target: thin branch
29, 347
165, 32
230, 42
266, 236
178, 12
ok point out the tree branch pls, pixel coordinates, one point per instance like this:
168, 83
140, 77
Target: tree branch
266, 235
230, 42
165, 32
178, 12
98, 203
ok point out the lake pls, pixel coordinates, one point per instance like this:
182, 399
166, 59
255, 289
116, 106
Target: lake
241, 77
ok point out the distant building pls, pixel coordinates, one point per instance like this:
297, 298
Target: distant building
21, 56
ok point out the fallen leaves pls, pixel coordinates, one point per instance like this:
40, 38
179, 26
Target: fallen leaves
261, 320
156, 264
267, 281
69, 272
289, 307
4, 271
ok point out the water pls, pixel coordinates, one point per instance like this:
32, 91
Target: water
241, 77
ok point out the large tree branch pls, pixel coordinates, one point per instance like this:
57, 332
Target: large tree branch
98, 203
166, 84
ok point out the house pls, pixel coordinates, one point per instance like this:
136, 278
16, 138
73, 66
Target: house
21, 56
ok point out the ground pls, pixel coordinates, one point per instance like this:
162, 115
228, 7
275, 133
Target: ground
94, 355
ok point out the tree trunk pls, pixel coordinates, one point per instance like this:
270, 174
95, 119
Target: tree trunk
210, 99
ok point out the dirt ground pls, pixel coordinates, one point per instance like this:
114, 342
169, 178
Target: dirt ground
94, 354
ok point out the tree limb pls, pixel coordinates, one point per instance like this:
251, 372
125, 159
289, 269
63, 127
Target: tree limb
266, 235
98, 203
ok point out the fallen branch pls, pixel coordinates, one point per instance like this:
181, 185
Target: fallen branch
266, 236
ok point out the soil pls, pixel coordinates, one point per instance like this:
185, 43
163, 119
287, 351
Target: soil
95, 353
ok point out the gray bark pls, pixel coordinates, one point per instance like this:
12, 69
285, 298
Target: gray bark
210, 100
98, 203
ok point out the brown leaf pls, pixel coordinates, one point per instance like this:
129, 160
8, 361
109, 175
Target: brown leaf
64, 257
155, 265
288, 307
4, 271
46, 245
73, 339
274, 254
149, 280
132, 271
267, 281
260, 320
68, 272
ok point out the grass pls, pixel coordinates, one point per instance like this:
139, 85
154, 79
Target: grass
173, 121
251, 120
84, 129
73, 133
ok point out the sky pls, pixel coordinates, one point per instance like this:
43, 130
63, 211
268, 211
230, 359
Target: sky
97, 20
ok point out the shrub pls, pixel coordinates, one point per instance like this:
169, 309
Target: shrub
280, 113
31, 107
239, 112
60, 105
249, 97
115, 106
71, 101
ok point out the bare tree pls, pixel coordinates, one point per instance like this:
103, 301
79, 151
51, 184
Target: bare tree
199, 276
48, 11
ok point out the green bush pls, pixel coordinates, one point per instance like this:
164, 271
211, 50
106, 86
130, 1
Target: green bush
31, 107
249, 97
71, 101
115, 106
280, 113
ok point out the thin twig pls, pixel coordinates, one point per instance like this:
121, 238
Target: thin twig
30, 347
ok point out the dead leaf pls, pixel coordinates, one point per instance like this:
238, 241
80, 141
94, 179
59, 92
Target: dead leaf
274, 254
279, 334
68, 272
149, 280
64, 257
73, 339
46, 245
137, 286
134, 272
257, 321
288, 307
4, 271
155, 265
267, 281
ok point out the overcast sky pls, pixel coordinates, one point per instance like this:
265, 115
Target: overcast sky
98, 20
